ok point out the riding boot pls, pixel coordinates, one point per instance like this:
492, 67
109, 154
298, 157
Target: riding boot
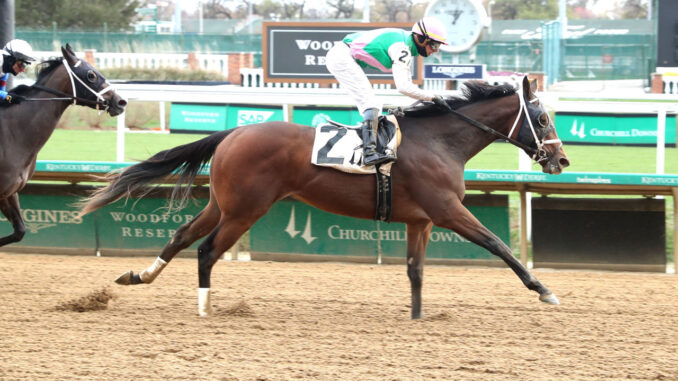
369, 133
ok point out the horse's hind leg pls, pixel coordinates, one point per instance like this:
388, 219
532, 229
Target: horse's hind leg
227, 232
184, 237
417, 240
11, 209
460, 220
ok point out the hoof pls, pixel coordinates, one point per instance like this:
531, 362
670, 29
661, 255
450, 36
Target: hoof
125, 279
128, 278
207, 312
549, 298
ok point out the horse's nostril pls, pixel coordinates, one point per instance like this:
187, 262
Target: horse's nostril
564, 163
122, 103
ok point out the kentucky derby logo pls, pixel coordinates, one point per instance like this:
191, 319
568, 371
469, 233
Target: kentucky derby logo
306, 235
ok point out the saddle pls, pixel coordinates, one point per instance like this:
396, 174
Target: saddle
340, 146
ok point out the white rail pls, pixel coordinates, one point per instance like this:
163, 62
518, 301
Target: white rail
211, 62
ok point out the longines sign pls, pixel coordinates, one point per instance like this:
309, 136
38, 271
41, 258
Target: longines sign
295, 52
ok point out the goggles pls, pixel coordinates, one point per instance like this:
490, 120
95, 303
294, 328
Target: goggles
22, 64
435, 45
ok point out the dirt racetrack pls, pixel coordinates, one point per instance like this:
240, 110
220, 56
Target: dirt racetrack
292, 321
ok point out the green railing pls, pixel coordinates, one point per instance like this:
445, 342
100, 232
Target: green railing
628, 54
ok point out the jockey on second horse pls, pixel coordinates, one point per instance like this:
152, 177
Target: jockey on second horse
14, 58
388, 50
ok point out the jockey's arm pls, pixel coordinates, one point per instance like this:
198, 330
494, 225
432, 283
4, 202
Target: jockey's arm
402, 76
3, 84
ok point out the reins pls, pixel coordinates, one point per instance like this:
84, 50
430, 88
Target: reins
491, 130
63, 97
539, 154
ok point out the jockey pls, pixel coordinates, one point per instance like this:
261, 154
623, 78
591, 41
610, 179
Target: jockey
13, 59
388, 50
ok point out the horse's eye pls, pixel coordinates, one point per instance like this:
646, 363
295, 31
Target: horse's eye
544, 120
91, 76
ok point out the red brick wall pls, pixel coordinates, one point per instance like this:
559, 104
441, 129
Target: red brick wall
657, 83
237, 61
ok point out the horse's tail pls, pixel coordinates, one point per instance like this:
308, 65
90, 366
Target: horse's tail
184, 161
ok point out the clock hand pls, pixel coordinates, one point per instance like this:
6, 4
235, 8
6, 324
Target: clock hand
456, 15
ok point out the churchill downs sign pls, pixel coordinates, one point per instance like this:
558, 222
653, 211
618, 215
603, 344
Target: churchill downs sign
295, 52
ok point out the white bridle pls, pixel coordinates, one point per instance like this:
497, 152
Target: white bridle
72, 75
540, 143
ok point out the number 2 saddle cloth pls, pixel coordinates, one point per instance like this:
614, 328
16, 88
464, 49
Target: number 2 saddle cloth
341, 147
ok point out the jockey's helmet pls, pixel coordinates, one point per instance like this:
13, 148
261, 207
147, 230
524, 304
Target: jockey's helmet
431, 28
20, 50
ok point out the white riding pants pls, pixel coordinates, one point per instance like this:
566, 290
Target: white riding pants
351, 77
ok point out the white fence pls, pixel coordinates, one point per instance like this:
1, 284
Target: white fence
670, 79
211, 62
255, 78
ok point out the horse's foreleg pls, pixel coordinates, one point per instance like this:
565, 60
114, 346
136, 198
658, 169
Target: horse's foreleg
460, 220
11, 209
417, 239
184, 237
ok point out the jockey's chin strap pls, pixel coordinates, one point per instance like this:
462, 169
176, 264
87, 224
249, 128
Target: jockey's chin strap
100, 99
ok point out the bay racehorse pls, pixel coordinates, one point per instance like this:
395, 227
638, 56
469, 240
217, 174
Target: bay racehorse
255, 166
26, 127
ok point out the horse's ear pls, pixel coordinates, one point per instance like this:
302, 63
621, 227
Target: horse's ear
527, 88
69, 55
70, 49
534, 86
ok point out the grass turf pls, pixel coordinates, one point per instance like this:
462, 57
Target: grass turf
100, 145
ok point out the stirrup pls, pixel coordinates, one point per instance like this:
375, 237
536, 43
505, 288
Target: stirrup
375, 159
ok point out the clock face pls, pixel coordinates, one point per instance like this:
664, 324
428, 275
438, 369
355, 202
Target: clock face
464, 19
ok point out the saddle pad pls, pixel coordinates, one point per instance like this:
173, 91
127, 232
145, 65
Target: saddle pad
341, 147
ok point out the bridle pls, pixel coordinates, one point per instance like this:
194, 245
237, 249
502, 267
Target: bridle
538, 154
100, 101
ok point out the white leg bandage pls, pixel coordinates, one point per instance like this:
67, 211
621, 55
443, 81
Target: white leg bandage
204, 305
148, 275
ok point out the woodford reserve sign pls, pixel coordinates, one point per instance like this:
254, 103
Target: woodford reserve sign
295, 52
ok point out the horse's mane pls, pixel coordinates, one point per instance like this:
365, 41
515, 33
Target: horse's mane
43, 69
473, 91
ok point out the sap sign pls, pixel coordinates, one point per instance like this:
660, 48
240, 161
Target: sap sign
253, 116
241, 115
454, 71
207, 118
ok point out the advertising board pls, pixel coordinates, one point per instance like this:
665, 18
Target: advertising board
295, 52
189, 117
291, 227
207, 118
53, 222
316, 116
613, 129
453, 72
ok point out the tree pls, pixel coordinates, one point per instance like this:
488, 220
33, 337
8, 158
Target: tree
218, 9
397, 11
525, 10
75, 14
632, 9
342, 9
